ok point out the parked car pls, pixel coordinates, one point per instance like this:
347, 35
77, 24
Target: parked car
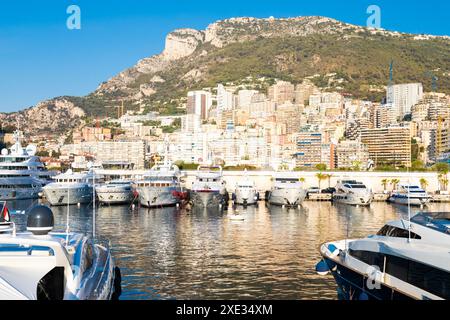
329, 190
312, 190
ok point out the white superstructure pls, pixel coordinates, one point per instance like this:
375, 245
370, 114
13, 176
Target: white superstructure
353, 192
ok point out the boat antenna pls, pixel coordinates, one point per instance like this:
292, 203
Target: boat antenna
93, 201
68, 215
409, 207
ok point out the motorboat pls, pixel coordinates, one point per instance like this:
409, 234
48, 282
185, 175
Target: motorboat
245, 192
40, 264
406, 259
22, 174
70, 188
115, 192
410, 194
353, 192
209, 188
286, 191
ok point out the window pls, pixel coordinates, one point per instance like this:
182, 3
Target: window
390, 231
371, 258
51, 286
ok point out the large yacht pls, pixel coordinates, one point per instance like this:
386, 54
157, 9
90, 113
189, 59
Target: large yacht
286, 191
410, 194
406, 259
161, 186
246, 192
70, 188
209, 188
353, 193
43, 265
22, 174
115, 192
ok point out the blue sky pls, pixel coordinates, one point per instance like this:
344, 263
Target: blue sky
40, 58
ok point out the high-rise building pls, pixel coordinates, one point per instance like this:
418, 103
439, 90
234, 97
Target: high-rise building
404, 96
388, 146
303, 91
225, 99
245, 98
351, 153
199, 103
309, 149
281, 92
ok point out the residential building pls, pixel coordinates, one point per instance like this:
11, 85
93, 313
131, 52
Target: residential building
404, 96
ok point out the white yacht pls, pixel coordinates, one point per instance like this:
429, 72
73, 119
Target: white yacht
70, 188
115, 192
410, 194
22, 174
246, 192
39, 264
209, 188
286, 191
161, 186
353, 193
405, 260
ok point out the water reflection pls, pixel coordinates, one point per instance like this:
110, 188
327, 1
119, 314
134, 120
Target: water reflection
205, 254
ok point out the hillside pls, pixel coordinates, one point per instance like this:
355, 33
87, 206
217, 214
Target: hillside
290, 49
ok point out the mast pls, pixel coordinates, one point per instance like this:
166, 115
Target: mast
93, 200
68, 215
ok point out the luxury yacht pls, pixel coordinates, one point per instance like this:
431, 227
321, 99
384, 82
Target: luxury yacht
42, 265
22, 174
246, 192
161, 186
410, 194
404, 260
70, 188
353, 193
115, 192
209, 188
286, 191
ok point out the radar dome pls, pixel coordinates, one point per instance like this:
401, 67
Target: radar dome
40, 220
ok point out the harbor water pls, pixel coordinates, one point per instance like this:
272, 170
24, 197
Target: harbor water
271, 254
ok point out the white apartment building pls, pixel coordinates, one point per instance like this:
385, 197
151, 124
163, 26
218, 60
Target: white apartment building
404, 96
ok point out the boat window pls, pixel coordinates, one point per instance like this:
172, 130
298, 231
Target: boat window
423, 276
371, 258
51, 286
88, 258
391, 231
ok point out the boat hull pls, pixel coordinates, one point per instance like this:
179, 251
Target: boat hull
246, 197
290, 197
114, 196
151, 197
349, 285
11, 195
71, 195
412, 201
209, 198
353, 199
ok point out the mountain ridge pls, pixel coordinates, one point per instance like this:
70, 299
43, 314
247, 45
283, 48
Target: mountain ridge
291, 48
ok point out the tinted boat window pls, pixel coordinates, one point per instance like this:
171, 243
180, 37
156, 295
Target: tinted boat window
390, 231
51, 286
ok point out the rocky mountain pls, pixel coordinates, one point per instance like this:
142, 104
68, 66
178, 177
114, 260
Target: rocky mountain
235, 49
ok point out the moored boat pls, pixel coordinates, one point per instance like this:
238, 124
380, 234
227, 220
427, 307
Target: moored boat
286, 191
353, 192
209, 188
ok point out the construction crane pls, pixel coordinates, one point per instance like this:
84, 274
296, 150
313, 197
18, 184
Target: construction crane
434, 80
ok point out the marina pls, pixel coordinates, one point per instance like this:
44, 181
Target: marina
171, 253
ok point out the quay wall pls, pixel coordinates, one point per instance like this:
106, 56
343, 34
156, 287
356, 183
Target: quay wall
263, 179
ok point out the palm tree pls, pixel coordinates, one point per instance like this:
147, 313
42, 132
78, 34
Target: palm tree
424, 183
302, 180
320, 177
394, 183
443, 182
329, 176
384, 183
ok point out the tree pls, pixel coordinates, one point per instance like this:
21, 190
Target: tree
321, 167
320, 177
443, 181
424, 183
384, 183
329, 176
441, 167
302, 180
394, 183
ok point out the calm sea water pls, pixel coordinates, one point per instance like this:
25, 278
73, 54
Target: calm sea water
172, 254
